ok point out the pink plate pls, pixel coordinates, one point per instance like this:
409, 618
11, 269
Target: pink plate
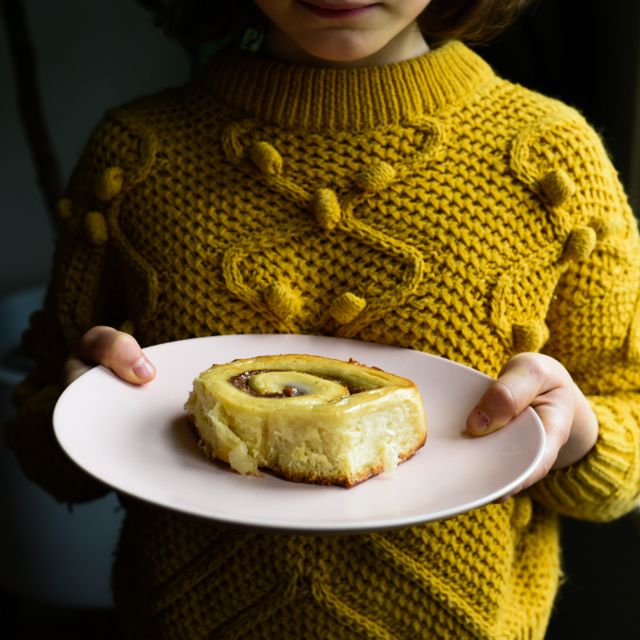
137, 440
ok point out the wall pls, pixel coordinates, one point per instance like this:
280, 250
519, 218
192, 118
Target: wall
634, 178
91, 55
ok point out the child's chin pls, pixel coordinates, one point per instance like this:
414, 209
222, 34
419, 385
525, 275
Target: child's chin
342, 52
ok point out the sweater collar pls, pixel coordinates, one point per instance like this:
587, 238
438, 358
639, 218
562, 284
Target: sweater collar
346, 98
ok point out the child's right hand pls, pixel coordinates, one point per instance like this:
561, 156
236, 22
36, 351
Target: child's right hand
113, 349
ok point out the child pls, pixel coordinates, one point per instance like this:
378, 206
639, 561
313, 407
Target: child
361, 175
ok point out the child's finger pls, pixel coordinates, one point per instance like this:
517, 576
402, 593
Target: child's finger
527, 379
514, 390
117, 351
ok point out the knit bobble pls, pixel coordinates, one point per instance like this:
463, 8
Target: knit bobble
282, 300
530, 336
347, 307
327, 208
64, 209
109, 184
376, 177
608, 227
266, 158
557, 187
95, 227
580, 244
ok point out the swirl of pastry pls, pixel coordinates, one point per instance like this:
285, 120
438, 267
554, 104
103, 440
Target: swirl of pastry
287, 384
307, 418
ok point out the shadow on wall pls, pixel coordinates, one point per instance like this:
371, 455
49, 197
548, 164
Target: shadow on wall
89, 56
48, 553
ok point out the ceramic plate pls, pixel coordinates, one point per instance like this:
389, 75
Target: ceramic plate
137, 440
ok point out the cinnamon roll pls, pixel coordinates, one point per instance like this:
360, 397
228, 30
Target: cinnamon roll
307, 418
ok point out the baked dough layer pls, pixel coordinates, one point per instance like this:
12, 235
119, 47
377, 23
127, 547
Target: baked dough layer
307, 418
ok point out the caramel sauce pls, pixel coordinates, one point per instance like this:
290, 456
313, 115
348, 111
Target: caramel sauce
241, 381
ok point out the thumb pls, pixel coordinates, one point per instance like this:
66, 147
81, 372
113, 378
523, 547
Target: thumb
116, 350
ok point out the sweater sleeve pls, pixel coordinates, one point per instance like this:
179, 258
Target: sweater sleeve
594, 321
83, 291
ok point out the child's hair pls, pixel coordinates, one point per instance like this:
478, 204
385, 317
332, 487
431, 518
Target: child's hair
473, 21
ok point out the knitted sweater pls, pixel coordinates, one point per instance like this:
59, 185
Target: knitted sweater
427, 204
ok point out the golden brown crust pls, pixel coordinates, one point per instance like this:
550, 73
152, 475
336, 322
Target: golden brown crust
347, 482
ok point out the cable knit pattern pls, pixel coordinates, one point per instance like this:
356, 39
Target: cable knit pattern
427, 204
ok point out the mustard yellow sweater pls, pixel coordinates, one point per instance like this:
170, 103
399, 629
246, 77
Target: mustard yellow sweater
427, 204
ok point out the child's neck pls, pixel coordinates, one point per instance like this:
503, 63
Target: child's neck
407, 45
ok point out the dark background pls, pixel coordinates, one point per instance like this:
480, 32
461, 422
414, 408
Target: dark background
586, 53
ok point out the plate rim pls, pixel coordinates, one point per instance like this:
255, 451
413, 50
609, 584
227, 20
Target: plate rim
295, 526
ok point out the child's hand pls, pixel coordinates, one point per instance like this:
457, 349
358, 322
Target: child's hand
539, 381
113, 349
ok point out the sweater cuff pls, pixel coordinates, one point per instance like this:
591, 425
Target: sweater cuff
605, 484
30, 434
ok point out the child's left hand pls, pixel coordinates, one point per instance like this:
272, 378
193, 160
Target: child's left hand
539, 381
